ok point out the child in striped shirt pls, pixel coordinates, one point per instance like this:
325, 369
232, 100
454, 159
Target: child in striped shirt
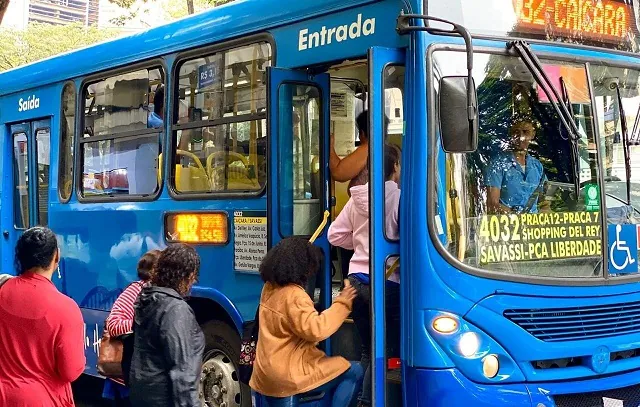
120, 322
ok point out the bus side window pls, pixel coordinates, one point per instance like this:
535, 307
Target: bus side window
219, 125
21, 181
121, 143
394, 121
67, 127
43, 152
300, 158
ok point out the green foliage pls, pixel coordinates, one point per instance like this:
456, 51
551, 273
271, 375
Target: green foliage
174, 8
39, 41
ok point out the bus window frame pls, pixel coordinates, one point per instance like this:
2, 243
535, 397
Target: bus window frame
37, 187
321, 143
13, 180
72, 138
432, 197
404, 110
155, 63
201, 52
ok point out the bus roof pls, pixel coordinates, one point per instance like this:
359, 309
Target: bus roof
233, 20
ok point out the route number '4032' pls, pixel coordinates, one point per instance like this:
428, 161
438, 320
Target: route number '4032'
506, 228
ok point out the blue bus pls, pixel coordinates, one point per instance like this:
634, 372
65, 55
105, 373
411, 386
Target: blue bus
519, 126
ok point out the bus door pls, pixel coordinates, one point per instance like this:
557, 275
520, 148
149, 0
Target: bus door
298, 187
25, 194
386, 121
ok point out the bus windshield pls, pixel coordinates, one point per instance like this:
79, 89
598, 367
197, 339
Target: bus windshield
603, 23
512, 206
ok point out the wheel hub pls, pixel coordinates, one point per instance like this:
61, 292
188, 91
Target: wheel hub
219, 384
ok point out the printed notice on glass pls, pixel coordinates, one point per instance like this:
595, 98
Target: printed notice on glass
343, 122
250, 239
538, 236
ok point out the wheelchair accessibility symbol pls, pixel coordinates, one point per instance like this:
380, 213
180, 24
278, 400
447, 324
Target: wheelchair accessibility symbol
623, 249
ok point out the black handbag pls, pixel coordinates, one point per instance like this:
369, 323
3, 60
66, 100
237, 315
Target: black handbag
248, 348
127, 355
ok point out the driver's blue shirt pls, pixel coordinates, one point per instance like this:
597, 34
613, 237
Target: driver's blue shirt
154, 121
516, 184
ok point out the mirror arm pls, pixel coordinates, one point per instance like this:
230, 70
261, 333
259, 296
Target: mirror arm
404, 26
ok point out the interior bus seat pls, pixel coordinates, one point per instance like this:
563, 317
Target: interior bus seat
236, 171
192, 178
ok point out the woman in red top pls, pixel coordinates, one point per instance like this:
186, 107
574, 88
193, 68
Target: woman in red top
120, 322
41, 330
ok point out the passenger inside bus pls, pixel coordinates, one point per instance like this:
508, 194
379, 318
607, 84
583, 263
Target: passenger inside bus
156, 117
351, 231
515, 180
353, 167
349, 122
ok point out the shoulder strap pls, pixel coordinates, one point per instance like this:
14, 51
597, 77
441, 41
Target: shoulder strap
4, 278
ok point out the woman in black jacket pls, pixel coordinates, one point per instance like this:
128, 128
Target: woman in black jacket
168, 342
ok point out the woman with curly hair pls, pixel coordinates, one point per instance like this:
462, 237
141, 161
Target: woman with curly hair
41, 329
168, 342
288, 362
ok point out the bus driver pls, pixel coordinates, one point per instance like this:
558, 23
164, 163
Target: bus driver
515, 180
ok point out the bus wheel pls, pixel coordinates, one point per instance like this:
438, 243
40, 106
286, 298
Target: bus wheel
219, 382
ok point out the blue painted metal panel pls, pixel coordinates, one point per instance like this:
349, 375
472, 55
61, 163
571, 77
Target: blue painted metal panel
220, 23
380, 247
339, 35
448, 387
30, 104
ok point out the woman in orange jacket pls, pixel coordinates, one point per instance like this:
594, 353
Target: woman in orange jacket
288, 362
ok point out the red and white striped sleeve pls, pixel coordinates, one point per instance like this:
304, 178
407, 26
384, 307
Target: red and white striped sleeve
120, 319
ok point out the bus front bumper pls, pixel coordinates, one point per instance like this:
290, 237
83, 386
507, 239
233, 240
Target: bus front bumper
450, 388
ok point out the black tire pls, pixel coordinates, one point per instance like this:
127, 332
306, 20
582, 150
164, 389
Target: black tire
222, 352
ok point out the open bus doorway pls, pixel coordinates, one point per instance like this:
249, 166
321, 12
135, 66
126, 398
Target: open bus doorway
350, 90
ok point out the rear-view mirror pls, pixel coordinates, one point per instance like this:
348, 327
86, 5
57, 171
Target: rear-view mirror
458, 115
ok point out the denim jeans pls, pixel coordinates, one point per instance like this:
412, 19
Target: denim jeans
344, 387
361, 313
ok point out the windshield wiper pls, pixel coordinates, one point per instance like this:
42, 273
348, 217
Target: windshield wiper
634, 137
575, 152
534, 66
625, 141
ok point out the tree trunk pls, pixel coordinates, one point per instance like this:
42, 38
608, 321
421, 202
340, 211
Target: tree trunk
4, 4
189, 6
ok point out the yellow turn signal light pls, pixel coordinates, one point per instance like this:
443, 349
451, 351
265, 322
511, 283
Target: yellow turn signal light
445, 325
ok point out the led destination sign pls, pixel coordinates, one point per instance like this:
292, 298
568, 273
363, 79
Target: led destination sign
602, 23
602, 20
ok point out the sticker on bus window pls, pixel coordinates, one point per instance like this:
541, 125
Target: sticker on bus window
623, 249
592, 197
249, 240
538, 236
207, 75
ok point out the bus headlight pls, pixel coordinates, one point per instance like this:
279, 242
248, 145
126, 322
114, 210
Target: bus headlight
469, 344
474, 353
490, 366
